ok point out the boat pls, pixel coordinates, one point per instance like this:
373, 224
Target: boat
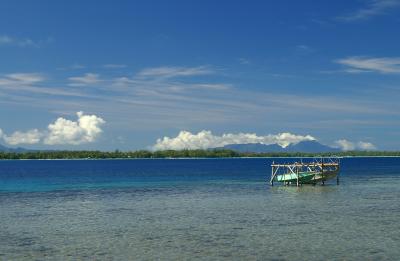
318, 170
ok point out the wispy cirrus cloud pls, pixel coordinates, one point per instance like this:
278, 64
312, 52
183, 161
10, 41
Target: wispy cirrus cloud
372, 8
16, 79
87, 79
304, 49
244, 61
173, 71
186, 102
77, 66
114, 66
23, 42
5, 39
359, 64
18, 85
200, 86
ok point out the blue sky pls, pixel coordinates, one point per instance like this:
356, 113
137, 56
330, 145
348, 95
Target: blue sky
143, 70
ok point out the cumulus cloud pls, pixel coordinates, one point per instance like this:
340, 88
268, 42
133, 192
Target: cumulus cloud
346, 145
205, 139
62, 132
18, 137
365, 145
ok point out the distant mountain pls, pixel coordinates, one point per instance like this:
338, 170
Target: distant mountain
254, 147
303, 146
311, 146
6, 149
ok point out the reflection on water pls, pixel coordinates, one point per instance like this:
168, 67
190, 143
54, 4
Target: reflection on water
306, 188
233, 216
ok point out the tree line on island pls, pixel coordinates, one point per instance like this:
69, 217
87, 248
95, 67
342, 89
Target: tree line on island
145, 154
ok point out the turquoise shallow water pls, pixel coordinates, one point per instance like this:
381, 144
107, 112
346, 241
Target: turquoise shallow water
195, 209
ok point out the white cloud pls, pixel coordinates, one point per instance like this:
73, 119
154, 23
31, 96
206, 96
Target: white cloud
346, 145
244, 61
186, 102
28, 43
28, 78
205, 139
77, 66
18, 137
304, 49
366, 145
27, 84
5, 39
373, 8
200, 86
23, 42
114, 66
18, 79
87, 79
357, 64
169, 72
212, 86
64, 131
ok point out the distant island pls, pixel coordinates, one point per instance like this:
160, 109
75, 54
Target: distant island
215, 153
301, 149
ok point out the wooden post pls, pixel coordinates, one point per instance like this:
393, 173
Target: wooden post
322, 171
337, 176
314, 183
272, 175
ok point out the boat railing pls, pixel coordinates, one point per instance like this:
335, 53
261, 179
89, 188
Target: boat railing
324, 167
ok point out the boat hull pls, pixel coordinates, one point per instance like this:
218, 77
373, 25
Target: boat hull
317, 171
307, 177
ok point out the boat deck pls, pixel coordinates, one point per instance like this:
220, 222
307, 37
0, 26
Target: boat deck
311, 172
297, 164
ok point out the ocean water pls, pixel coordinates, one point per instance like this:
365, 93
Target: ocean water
195, 209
